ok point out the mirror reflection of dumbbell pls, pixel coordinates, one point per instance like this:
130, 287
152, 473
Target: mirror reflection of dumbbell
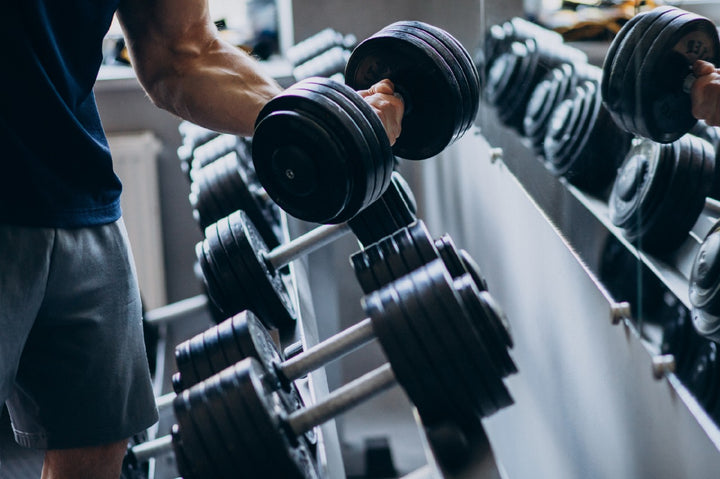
647, 71
661, 191
426, 323
240, 272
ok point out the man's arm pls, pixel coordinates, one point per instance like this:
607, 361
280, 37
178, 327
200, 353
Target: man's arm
705, 93
187, 69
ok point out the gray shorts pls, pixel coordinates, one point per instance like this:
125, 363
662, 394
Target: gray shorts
73, 368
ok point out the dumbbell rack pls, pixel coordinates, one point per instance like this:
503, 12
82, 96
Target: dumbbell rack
588, 385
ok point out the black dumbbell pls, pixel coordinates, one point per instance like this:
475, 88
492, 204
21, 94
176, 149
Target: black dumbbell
333, 157
318, 43
647, 71
557, 85
327, 64
499, 37
238, 337
660, 191
514, 75
425, 325
704, 286
229, 184
192, 137
582, 143
242, 273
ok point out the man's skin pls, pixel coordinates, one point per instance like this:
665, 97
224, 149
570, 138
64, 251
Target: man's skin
187, 70
705, 93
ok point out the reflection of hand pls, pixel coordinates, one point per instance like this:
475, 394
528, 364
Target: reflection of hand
705, 93
388, 106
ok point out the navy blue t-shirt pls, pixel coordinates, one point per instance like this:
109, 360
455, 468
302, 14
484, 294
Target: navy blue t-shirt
55, 165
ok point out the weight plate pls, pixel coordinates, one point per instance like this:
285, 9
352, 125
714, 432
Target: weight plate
432, 114
208, 432
229, 394
321, 189
392, 258
360, 156
384, 158
181, 461
379, 268
415, 29
223, 264
609, 94
290, 459
443, 312
446, 251
376, 173
213, 350
195, 449
543, 100
581, 119
466, 63
227, 431
665, 108
200, 359
254, 206
474, 270
492, 361
363, 272
410, 362
214, 290
255, 342
485, 320
220, 240
271, 301
630, 57
185, 365
443, 349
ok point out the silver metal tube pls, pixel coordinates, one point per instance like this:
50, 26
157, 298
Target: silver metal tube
335, 347
342, 399
304, 244
165, 401
151, 449
172, 311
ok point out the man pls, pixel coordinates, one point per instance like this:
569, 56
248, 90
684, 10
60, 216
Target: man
73, 371
705, 93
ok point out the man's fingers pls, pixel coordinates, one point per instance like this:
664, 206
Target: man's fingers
701, 67
388, 106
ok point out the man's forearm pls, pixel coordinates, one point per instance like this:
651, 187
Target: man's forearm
222, 89
188, 70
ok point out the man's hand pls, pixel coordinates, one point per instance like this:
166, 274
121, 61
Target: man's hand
705, 93
389, 107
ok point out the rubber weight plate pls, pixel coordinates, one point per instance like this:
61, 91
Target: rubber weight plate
665, 110
433, 117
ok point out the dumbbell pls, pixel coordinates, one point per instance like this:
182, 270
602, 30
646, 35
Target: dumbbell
499, 37
707, 132
241, 273
514, 75
328, 63
412, 247
660, 191
435, 353
704, 285
229, 184
320, 150
582, 143
647, 71
192, 136
318, 43
557, 85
